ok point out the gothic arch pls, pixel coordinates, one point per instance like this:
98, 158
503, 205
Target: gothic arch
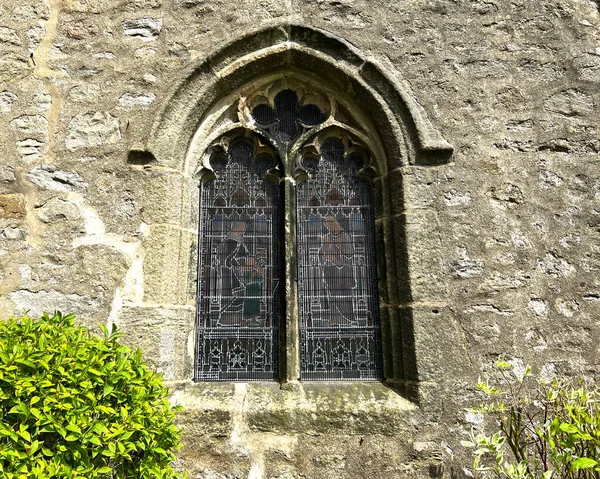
409, 136
208, 103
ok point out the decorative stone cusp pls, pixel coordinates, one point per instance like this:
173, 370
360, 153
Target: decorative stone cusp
287, 118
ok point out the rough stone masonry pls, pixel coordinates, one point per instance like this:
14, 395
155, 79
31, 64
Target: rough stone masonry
498, 246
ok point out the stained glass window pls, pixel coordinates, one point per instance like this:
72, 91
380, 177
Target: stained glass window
238, 316
337, 283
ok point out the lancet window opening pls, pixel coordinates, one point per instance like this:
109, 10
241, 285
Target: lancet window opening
240, 292
337, 280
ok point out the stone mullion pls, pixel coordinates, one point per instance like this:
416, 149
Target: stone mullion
290, 334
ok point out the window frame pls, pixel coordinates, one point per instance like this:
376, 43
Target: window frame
246, 338
290, 175
410, 151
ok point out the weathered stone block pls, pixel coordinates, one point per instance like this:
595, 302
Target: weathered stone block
13, 67
30, 149
80, 29
84, 93
168, 198
396, 191
13, 206
438, 338
9, 35
37, 302
51, 178
88, 130
13, 233
390, 278
400, 342
31, 126
7, 100
464, 267
164, 335
240, 48
141, 100
380, 205
56, 210
570, 102
588, 67
81, 280
166, 265
421, 234
7, 179
421, 188
325, 408
381, 262
145, 28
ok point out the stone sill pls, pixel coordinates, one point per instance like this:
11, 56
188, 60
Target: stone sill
307, 408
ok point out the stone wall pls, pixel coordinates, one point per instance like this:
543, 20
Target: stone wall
496, 247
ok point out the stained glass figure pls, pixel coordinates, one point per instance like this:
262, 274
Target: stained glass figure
238, 314
287, 118
337, 278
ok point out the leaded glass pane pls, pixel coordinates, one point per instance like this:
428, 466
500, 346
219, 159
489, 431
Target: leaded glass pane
238, 276
337, 279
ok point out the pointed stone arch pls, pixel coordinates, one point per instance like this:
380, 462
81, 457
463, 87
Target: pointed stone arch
205, 105
409, 136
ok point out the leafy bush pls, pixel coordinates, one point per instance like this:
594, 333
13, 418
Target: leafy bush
77, 406
551, 428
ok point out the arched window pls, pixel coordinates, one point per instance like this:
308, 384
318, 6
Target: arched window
337, 275
290, 87
294, 147
238, 297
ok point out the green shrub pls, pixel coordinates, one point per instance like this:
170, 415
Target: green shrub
551, 429
77, 406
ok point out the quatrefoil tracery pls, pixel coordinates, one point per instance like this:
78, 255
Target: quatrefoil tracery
293, 124
286, 119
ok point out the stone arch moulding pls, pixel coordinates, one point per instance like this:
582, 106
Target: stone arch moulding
408, 135
210, 102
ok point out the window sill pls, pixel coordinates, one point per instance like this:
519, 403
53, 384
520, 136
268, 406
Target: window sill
307, 408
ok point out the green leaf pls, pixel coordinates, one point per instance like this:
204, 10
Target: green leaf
73, 428
47, 452
502, 364
568, 428
34, 446
108, 388
583, 463
95, 440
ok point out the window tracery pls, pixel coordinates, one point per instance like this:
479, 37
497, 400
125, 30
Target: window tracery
286, 118
288, 135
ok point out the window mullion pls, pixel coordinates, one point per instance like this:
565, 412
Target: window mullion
290, 337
